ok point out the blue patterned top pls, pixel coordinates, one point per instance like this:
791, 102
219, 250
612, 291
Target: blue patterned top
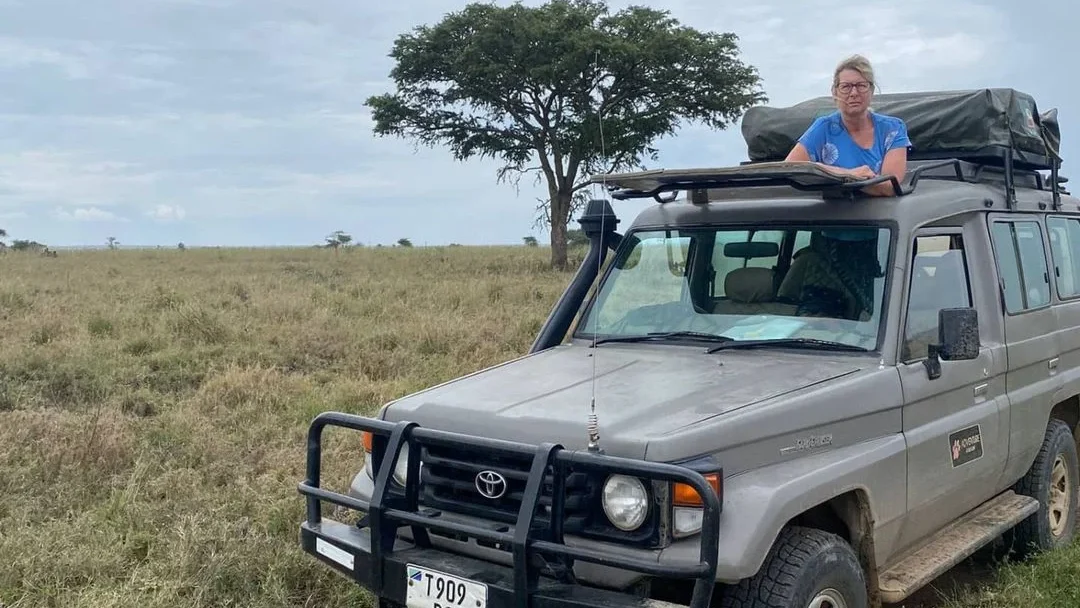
829, 143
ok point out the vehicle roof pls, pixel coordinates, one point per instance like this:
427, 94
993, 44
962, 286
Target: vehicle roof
937, 191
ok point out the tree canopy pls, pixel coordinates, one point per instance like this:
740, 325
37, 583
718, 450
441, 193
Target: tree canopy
563, 90
338, 238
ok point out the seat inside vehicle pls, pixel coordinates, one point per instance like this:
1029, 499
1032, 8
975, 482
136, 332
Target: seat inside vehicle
751, 291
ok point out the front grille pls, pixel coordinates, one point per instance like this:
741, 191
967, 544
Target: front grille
448, 482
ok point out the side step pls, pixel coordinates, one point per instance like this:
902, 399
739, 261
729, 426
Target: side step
955, 543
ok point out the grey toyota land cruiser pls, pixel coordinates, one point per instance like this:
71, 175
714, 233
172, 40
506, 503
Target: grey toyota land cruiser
777, 390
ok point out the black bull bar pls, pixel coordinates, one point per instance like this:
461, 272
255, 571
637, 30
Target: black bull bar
380, 568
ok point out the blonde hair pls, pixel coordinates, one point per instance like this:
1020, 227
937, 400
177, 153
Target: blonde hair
858, 63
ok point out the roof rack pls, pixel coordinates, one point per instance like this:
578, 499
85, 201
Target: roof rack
806, 177
1004, 158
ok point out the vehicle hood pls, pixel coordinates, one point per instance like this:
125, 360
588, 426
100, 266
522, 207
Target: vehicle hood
642, 391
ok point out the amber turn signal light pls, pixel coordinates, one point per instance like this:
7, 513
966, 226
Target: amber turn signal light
684, 495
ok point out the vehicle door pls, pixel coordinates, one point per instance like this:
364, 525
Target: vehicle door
956, 425
1064, 235
1020, 254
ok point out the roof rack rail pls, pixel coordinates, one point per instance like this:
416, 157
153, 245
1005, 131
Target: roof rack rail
1009, 166
805, 177
1055, 184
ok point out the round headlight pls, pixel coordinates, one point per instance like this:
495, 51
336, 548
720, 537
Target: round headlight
625, 501
402, 467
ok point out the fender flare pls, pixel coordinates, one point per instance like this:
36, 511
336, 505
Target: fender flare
760, 502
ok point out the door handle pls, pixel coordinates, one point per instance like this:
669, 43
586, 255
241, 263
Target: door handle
1053, 363
980, 390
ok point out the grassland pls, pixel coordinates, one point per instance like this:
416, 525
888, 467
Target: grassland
153, 406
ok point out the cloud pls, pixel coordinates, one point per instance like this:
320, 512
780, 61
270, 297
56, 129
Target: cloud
37, 177
167, 213
185, 114
272, 194
20, 54
87, 214
916, 44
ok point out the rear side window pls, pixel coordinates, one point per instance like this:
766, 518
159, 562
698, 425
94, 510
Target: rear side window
1021, 260
1064, 236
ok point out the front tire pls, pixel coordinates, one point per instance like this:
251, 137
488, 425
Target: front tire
806, 568
1052, 480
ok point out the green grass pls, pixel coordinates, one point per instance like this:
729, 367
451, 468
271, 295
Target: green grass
154, 405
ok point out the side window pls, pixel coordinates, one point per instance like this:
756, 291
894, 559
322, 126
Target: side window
1064, 236
1008, 266
939, 279
1022, 264
1029, 242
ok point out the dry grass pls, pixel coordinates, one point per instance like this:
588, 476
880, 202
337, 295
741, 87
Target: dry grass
153, 406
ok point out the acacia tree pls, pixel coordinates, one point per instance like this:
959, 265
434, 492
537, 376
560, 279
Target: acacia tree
338, 238
535, 87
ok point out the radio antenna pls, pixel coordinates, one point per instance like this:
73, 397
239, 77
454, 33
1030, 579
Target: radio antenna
594, 421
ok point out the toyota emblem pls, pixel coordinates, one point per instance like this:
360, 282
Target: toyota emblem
490, 484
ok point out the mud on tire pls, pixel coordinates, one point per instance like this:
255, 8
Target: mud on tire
804, 565
1052, 480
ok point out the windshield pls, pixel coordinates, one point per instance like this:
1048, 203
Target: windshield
780, 283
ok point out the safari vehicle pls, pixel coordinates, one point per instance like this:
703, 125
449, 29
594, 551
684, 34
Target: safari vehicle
776, 392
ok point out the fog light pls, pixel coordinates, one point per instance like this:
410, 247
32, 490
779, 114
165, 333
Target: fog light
401, 469
688, 521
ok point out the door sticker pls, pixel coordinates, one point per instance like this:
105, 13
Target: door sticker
966, 445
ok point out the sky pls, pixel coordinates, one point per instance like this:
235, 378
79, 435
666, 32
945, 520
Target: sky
242, 122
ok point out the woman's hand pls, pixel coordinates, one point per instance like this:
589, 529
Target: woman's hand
862, 172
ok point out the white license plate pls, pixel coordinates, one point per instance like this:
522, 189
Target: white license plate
432, 589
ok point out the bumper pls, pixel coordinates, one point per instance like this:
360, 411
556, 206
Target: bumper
349, 553
541, 573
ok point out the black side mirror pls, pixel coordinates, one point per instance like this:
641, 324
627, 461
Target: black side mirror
958, 339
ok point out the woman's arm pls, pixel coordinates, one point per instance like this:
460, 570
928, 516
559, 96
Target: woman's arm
812, 139
798, 154
895, 164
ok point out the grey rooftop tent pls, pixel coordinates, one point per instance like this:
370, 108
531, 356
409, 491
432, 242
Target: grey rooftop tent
983, 126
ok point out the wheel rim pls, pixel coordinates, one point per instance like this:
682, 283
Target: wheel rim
1060, 497
829, 598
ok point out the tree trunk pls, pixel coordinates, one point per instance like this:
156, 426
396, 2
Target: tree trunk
560, 211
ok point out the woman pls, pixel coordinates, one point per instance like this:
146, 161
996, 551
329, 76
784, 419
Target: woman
854, 140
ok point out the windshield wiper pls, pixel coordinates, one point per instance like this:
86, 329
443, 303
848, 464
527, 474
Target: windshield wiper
666, 335
790, 342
